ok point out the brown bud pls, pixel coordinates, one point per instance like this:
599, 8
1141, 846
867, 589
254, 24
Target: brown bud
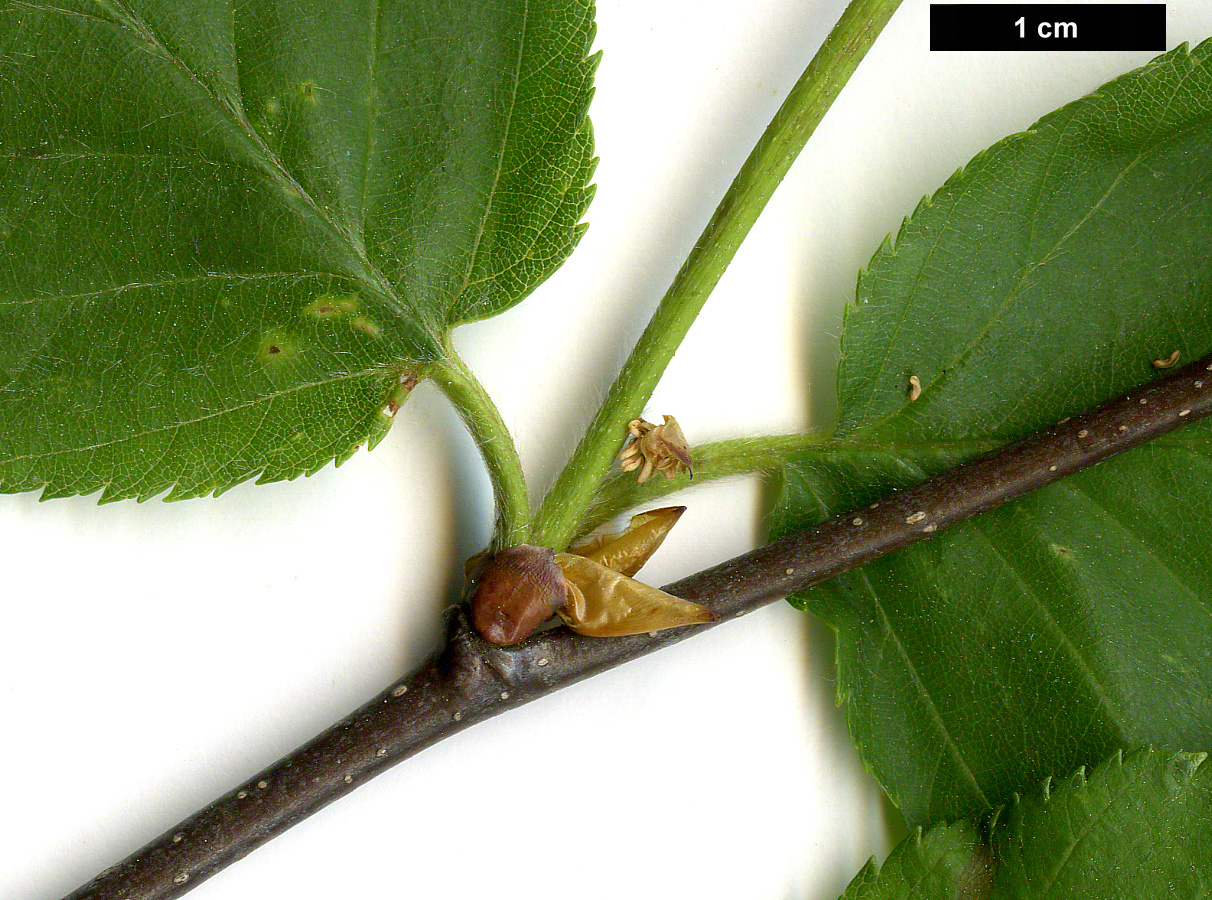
513, 592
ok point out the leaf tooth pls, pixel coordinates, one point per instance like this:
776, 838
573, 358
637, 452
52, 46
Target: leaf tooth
378, 431
884, 250
45, 487
1186, 765
994, 818
111, 493
345, 454
180, 491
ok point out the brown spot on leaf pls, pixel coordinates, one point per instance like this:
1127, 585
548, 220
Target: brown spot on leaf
275, 347
975, 882
365, 326
332, 305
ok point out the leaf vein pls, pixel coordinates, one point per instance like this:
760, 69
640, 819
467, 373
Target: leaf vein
931, 709
276, 169
1011, 294
172, 427
169, 282
1028, 590
1128, 532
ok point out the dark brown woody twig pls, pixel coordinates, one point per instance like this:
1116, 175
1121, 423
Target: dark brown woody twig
468, 681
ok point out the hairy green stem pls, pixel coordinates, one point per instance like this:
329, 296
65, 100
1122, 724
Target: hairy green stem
491, 435
860, 24
743, 456
720, 459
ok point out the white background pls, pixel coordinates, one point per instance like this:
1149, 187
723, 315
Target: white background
154, 656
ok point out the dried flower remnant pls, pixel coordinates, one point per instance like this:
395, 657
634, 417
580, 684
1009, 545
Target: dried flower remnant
1168, 361
656, 448
513, 592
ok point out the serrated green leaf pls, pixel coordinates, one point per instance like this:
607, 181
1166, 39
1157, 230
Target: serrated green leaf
1040, 280
228, 230
1139, 828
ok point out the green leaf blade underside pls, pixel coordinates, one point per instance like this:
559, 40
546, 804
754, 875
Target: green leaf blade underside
1137, 828
997, 267
1045, 635
229, 231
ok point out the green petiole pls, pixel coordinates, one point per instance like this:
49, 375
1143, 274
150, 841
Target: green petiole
492, 436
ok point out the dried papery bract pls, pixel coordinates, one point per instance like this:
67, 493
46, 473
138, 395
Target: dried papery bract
603, 601
626, 551
606, 603
656, 448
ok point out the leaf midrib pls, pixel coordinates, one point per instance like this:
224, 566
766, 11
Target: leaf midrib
952, 748
1131, 533
496, 177
373, 89
1115, 716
